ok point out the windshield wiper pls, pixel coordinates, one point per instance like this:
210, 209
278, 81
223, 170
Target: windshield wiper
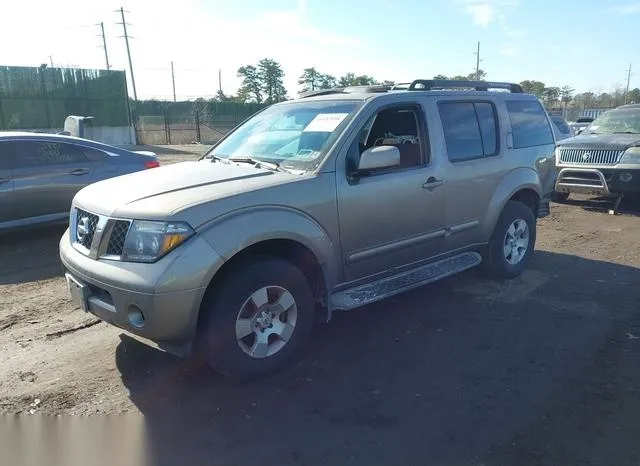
625, 132
257, 163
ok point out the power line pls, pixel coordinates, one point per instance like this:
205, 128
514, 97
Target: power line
104, 44
126, 40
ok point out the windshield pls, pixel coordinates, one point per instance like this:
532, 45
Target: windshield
616, 121
294, 135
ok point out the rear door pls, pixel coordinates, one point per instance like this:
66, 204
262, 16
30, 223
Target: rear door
470, 131
47, 175
7, 212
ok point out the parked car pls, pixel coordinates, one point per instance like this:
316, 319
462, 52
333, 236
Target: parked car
561, 127
41, 173
581, 124
235, 256
604, 159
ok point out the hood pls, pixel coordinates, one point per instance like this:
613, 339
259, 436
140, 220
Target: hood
601, 141
169, 188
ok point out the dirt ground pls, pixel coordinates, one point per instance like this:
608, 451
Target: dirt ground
540, 370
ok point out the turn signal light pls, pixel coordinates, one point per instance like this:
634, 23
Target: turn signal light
152, 164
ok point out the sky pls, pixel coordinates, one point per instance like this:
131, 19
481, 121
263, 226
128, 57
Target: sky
588, 45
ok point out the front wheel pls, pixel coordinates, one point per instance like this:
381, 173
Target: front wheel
256, 319
512, 242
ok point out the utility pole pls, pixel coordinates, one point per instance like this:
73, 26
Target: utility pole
173, 80
104, 44
126, 39
51, 61
477, 54
220, 81
626, 93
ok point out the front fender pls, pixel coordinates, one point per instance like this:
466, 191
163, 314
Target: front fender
235, 231
516, 180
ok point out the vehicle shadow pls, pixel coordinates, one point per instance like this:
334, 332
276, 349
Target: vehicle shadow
30, 255
447, 374
629, 205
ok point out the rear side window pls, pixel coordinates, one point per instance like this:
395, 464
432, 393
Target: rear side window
562, 125
470, 129
529, 124
5, 155
39, 153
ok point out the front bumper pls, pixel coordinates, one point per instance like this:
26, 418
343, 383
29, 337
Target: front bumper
598, 181
157, 302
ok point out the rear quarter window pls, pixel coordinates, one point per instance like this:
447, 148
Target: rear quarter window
529, 124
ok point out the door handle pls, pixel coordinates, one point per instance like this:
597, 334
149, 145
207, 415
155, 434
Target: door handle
432, 183
79, 171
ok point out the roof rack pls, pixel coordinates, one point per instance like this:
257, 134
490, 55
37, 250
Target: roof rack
346, 90
430, 84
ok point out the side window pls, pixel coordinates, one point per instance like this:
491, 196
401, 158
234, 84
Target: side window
394, 126
36, 153
461, 130
470, 129
488, 127
529, 124
5, 155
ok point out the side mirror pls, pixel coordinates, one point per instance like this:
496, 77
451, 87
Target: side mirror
379, 157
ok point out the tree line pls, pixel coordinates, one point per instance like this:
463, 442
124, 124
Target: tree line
264, 83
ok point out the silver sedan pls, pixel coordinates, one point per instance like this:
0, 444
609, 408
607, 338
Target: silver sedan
41, 173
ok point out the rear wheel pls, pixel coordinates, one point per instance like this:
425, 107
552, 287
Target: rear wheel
257, 318
512, 242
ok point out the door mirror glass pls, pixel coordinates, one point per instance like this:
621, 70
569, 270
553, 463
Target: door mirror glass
379, 157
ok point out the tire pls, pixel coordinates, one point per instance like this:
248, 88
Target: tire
559, 197
217, 338
498, 264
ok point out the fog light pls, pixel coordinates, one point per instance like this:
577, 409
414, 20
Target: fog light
136, 318
625, 177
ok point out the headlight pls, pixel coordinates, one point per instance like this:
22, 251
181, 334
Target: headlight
148, 241
631, 155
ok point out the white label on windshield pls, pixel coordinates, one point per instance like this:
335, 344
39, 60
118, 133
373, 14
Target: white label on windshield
325, 122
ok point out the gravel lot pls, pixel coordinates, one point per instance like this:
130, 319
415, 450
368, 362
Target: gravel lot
539, 370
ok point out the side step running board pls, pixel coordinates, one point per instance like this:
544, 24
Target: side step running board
404, 281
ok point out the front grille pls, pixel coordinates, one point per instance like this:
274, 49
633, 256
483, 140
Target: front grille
85, 227
590, 157
118, 235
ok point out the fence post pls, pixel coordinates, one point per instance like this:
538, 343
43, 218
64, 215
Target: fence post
2, 123
167, 126
44, 97
198, 126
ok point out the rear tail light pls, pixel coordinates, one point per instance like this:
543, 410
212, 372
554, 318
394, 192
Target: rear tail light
152, 164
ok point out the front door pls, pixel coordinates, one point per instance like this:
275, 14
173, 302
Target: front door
47, 176
393, 217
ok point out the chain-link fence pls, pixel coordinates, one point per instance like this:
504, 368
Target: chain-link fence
205, 124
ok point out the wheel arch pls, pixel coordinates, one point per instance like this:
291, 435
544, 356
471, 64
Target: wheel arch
522, 185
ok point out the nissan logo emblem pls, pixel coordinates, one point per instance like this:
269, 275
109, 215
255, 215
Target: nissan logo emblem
586, 156
82, 231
